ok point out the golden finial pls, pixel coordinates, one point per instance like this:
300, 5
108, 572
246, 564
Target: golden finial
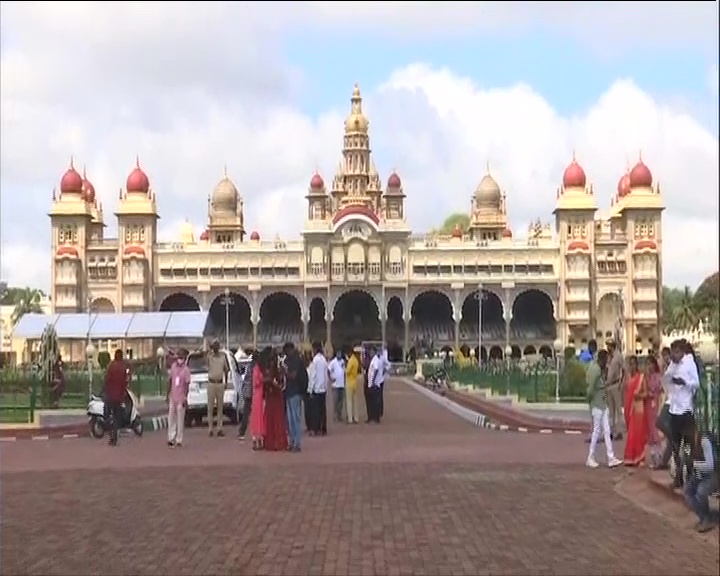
356, 91
137, 160
84, 172
54, 193
72, 162
225, 171
487, 167
640, 155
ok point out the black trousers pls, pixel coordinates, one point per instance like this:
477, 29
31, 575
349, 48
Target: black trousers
245, 417
662, 423
679, 425
307, 411
318, 420
113, 419
381, 401
374, 398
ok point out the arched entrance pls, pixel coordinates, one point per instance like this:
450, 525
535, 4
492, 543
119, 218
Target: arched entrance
545, 351
496, 353
529, 351
179, 302
493, 323
317, 326
431, 321
516, 352
533, 317
395, 329
237, 317
608, 314
103, 306
355, 318
280, 320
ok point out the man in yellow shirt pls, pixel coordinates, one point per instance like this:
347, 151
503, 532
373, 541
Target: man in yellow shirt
352, 371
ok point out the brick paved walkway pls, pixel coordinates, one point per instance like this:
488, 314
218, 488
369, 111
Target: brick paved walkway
423, 493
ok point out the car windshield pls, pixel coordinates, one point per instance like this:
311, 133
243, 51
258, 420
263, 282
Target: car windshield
197, 363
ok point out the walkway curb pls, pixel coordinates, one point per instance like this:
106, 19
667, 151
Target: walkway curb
72, 431
481, 420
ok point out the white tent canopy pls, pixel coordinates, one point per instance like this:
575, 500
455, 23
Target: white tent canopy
126, 325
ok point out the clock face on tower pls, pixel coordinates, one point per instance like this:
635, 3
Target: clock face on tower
355, 229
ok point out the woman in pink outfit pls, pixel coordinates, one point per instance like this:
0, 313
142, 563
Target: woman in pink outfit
257, 414
652, 407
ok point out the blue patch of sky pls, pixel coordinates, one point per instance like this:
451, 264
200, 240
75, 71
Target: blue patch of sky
570, 76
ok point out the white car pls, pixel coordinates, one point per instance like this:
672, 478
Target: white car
197, 396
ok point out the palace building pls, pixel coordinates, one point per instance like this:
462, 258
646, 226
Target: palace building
359, 273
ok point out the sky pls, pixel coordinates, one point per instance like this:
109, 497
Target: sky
448, 87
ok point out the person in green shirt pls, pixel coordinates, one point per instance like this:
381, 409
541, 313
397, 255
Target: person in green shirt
597, 398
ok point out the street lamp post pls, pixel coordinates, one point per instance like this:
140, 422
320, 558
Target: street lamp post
480, 297
227, 301
558, 345
89, 348
160, 353
508, 359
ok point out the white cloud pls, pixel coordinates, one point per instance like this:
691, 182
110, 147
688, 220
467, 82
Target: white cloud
230, 102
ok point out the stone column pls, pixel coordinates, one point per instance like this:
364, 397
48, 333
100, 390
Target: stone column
406, 321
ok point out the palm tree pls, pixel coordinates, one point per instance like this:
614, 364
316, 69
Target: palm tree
684, 314
26, 301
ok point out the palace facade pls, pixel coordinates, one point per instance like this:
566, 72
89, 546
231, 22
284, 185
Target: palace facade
359, 273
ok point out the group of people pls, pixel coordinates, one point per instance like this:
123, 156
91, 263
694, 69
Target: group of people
284, 389
653, 403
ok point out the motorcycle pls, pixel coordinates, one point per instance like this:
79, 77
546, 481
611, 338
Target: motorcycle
131, 419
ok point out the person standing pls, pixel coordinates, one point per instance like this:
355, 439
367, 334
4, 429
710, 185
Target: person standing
176, 397
386, 371
307, 406
662, 423
652, 408
336, 370
376, 376
703, 480
685, 382
352, 371
615, 379
58, 382
116, 385
635, 418
276, 432
317, 388
218, 368
246, 392
296, 385
596, 392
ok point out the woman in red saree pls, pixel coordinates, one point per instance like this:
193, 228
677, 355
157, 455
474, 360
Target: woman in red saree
276, 437
652, 408
635, 419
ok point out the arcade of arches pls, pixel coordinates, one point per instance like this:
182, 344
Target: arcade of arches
355, 316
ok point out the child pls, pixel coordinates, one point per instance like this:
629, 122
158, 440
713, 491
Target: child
703, 481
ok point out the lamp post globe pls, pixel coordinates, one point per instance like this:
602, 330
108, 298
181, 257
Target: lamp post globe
90, 351
558, 346
160, 352
508, 351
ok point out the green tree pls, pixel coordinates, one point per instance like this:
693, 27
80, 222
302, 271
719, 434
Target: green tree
26, 301
684, 314
451, 222
706, 297
671, 299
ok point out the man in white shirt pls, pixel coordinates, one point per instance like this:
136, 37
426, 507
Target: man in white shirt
336, 370
685, 381
386, 370
317, 391
376, 379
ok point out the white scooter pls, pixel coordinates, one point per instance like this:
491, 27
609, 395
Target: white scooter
131, 417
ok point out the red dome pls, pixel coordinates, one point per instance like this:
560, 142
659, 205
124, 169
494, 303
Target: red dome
71, 182
457, 232
134, 251
623, 187
645, 245
205, 236
578, 245
137, 181
394, 181
507, 233
255, 236
88, 191
358, 210
66, 252
640, 176
574, 176
316, 182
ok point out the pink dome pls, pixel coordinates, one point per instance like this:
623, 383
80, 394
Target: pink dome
394, 181
316, 182
137, 181
574, 176
640, 176
71, 182
255, 236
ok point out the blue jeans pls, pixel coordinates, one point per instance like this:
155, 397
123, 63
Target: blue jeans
293, 408
697, 495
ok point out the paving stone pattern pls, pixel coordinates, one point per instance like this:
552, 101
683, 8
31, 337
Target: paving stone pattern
422, 493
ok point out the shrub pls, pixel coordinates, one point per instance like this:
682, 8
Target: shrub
573, 379
103, 359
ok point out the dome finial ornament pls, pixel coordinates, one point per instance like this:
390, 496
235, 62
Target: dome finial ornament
72, 162
137, 160
225, 171
487, 167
